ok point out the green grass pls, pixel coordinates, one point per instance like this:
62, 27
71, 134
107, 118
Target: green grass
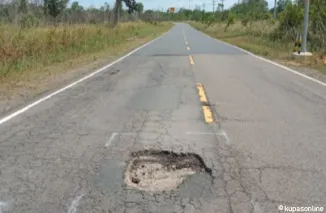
260, 39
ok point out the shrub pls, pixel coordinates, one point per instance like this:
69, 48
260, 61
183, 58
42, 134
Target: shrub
245, 21
230, 21
28, 21
291, 17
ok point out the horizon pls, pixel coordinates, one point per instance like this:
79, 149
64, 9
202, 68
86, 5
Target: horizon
163, 6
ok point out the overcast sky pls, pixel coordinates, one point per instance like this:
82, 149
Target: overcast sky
165, 4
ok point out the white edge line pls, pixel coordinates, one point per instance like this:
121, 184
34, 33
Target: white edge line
269, 61
74, 204
111, 139
24, 109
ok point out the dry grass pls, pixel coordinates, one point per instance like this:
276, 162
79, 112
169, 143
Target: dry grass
38, 59
24, 49
259, 40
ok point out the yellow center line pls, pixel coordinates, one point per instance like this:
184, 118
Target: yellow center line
208, 114
191, 60
188, 48
206, 109
201, 92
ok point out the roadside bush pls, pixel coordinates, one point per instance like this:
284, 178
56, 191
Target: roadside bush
28, 21
230, 21
245, 21
291, 17
266, 16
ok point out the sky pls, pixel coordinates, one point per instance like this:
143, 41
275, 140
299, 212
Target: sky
165, 4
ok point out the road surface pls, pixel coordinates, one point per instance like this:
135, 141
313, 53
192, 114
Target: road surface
266, 145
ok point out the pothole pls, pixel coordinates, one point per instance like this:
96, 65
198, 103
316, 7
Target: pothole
152, 170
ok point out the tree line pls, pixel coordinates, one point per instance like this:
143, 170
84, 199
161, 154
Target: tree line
33, 13
287, 24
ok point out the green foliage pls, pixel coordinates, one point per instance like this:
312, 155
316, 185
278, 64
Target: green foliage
291, 17
230, 21
75, 7
139, 7
54, 7
281, 5
22, 7
266, 16
29, 20
245, 21
131, 4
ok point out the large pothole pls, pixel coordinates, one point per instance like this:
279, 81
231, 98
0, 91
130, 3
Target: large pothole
152, 170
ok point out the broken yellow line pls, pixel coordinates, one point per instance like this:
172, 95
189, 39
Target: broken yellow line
203, 98
191, 60
201, 92
208, 114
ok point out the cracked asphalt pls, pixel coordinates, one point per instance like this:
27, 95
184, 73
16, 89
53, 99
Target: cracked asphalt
265, 148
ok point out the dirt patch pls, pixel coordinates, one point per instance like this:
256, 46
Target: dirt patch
162, 170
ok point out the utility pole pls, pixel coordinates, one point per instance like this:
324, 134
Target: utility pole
189, 11
306, 19
213, 7
275, 2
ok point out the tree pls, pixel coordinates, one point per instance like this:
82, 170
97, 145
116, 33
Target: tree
54, 7
75, 7
131, 4
281, 4
139, 7
22, 8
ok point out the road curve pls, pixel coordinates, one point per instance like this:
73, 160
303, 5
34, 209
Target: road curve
260, 128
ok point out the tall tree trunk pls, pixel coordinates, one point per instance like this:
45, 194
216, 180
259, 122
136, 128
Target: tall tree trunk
117, 12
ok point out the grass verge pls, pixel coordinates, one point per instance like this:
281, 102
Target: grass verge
37, 59
257, 39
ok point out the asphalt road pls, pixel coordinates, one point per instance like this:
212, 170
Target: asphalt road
265, 147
